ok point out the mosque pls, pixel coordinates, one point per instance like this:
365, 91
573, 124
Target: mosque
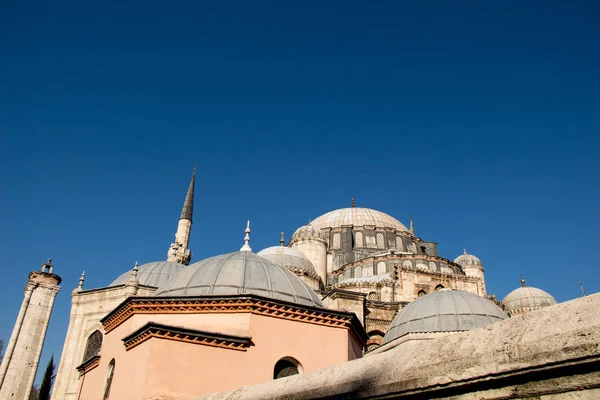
355, 305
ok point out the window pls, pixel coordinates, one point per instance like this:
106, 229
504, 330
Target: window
109, 377
358, 239
381, 268
93, 345
372, 296
380, 241
438, 287
287, 366
421, 293
336, 241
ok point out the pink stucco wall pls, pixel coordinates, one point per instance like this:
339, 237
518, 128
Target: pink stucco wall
165, 367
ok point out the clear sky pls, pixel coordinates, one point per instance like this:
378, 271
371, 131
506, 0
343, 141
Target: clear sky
481, 118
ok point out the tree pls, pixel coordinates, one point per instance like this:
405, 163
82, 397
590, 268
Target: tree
46, 385
35, 393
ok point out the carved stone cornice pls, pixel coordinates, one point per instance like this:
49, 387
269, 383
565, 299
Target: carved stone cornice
88, 365
234, 304
186, 335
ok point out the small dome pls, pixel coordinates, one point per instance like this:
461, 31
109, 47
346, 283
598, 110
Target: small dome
287, 257
307, 232
525, 299
357, 216
468, 260
444, 311
152, 274
241, 272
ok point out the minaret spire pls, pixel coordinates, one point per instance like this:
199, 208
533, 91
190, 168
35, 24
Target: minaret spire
282, 240
412, 225
179, 252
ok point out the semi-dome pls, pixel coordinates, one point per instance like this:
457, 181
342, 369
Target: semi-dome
525, 299
467, 260
287, 257
152, 274
241, 272
444, 311
357, 216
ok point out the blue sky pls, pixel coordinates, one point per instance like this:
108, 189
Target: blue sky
480, 118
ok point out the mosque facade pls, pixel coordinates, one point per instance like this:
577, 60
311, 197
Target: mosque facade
354, 283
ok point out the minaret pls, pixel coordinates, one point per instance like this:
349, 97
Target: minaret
24, 348
179, 252
412, 225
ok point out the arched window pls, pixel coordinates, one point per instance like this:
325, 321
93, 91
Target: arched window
287, 366
93, 345
381, 268
438, 287
358, 239
110, 372
421, 293
380, 241
372, 296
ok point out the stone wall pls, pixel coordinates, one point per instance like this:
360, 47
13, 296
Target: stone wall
549, 354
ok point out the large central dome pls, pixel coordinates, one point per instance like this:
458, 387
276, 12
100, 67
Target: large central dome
357, 216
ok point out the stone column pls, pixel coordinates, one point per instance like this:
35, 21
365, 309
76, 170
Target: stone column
24, 349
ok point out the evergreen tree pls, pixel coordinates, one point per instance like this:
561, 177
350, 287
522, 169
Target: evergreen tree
46, 385
35, 392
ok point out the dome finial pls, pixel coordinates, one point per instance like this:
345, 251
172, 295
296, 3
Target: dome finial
352, 201
465, 251
282, 240
134, 271
412, 226
246, 246
522, 281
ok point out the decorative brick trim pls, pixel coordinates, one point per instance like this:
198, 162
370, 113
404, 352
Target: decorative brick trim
234, 304
89, 365
186, 335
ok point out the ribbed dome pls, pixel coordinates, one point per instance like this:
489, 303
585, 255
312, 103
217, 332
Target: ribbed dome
152, 274
444, 311
357, 216
468, 260
241, 272
287, 257
525, 299
307, 232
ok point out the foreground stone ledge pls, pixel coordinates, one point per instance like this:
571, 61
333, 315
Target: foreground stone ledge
553, 353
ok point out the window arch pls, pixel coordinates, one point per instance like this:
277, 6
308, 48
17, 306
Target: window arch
287, 366
110, 372
93, 345
381, 268
372, 296
421, 293
438, 287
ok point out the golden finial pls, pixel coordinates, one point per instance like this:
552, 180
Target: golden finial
522, 281
352, 201
282, 240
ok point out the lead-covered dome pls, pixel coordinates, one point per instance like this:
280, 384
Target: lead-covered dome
241, 272
152, 274
357, 216
525, 299
308, 232
287, 257
467, 260
444, 311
